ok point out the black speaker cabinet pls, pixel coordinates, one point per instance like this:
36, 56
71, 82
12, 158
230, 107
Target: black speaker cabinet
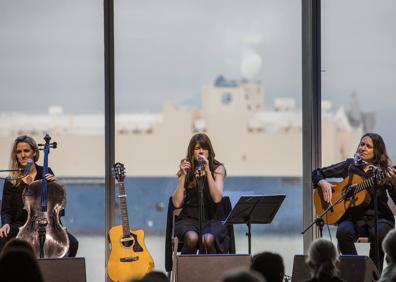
208, 268
352, 269
63, 269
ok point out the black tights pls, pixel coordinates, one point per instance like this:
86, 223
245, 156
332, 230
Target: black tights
190, 245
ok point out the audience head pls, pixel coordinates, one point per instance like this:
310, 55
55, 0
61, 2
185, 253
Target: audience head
392, 276
389, 246
270, 265
242, 275
154, 276
19, 244
322, 259
17, 264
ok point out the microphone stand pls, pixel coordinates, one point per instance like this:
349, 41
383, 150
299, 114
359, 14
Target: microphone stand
200, 178
349, 192
9, 170
376, 250
21, 170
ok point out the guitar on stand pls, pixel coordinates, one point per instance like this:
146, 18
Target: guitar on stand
129, 258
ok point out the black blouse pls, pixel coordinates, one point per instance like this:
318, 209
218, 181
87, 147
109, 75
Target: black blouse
346, 168
12, 211
191, 199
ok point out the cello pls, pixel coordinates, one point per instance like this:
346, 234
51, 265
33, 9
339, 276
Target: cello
43, 202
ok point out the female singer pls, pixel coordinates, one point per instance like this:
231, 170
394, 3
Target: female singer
200, 168
359, 221
24, 153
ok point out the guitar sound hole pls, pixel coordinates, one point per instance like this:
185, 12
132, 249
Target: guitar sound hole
128, 241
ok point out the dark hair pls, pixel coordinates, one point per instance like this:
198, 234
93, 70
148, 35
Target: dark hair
153, 276
203, 141
242, 275
270, 265
15, 259
19, 244
392, 276
381, 157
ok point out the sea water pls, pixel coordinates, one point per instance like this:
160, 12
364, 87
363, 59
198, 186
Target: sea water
147, 201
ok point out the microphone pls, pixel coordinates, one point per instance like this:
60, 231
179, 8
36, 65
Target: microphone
200, 164
28, 166
357, 160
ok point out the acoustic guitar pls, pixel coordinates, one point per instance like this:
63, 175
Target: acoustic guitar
129, 258
356, 187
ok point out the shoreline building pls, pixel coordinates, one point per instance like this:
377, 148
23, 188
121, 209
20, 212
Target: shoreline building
249, 139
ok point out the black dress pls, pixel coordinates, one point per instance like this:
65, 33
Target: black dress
188, 220
13, 213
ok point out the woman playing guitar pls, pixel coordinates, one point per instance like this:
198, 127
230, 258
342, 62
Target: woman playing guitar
358, 221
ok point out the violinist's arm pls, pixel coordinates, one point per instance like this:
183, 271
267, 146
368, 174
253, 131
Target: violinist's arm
4, 230
7, 210
50, 175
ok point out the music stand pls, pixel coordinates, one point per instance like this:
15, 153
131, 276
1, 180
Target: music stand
254, 209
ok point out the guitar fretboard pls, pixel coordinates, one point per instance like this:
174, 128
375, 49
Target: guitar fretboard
370, 182
123, 209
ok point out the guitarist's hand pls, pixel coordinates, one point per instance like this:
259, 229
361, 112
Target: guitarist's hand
326, 190
391, 175
391, 172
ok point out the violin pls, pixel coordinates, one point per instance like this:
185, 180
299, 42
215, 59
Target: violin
44, 201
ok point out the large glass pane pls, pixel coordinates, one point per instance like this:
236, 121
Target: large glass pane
51, 81
231, 70
358, 77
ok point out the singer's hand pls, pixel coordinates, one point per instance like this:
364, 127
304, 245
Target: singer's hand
184, 166
50, 177
4, 230
206, 166
326, 190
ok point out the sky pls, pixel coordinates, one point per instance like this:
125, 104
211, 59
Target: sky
51, 53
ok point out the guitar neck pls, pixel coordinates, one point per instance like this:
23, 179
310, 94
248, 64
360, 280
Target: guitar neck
123, 209
370, 182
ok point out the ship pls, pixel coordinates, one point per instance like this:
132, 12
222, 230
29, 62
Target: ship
250, 138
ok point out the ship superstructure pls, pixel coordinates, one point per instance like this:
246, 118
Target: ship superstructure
250, 139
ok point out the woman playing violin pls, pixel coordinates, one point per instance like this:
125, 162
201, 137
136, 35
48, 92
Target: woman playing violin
24, 153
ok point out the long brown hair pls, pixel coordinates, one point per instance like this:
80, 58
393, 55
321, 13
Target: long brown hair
381, 157
203, 141
14, 164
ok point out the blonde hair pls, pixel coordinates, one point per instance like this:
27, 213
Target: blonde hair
14, 164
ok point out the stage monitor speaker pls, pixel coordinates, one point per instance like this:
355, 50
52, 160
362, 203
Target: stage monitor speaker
198, 268
63, 269
352, 269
